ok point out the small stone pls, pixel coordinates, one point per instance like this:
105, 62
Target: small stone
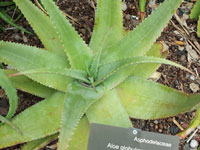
176, 32
166, 127
127, 17
134, 17
131, 6
181, 39
151, 124
155, 76
194, 87
187, 147
193, 115
124, 6
69, 9
187, 75
152, 4
174, 130
192, 54
192, 77
161, 126
17, 37
181, 48
194, 144
156, 121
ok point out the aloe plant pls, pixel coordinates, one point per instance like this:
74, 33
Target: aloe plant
105, 82
195, 14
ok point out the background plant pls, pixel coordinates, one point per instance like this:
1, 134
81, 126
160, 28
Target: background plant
195, 14
7, 18
105, 82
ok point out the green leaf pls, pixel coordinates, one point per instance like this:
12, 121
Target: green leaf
78, 100
108, 20
27, 85
80, 136
139, 96
46, 116
142, 4
1, 66
195, 12
107, 70
93, 71
198, 27
120, 76
5, 120
78, 53
157, 50
8, 19
109, 110
41, 25
11, 92
76, 74
140, 40
24, 58
100, 112
40, 143
2, 29
38, 121
142, 7
146, 70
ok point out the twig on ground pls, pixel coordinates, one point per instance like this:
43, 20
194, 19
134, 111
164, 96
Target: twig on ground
186, 34
177, 124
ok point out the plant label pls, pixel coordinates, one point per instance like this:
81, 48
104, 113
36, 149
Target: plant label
104, 137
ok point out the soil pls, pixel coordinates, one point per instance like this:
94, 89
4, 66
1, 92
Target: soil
82, 18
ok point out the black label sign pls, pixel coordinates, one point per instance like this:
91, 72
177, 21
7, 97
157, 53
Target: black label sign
104, 137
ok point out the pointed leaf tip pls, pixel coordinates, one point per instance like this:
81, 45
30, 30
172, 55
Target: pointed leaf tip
76, 50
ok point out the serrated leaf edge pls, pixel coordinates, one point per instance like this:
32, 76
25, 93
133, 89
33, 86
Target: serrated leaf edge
186, 94
65, 49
